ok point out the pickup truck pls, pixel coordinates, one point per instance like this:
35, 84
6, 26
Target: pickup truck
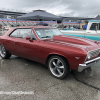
92, 32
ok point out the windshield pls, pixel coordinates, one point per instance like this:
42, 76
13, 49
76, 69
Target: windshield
45, 33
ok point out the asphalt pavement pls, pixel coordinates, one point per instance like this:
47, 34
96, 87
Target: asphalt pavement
18, 74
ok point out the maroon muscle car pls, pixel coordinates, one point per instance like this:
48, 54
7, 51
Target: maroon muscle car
49, 46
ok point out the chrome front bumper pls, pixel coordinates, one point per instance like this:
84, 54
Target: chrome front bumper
88, 64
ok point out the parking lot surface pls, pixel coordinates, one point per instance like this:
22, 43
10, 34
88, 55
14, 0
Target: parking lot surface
18, 74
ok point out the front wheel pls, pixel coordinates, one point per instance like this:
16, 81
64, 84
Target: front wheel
4, 53
58, 67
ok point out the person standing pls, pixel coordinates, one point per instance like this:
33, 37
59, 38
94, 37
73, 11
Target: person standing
85, 26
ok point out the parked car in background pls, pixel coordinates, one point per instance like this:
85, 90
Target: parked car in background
6, 28
49, 46
92, 32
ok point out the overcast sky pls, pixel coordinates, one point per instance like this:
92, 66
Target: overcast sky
58, 7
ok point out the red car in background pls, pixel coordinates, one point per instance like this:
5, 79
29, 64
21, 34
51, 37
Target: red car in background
49, 46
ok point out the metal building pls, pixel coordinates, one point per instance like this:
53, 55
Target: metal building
10, 14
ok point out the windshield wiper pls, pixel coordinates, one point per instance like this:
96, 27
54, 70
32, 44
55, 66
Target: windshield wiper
46, 37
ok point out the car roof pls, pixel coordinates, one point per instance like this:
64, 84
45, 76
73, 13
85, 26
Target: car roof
19, 27
32, 27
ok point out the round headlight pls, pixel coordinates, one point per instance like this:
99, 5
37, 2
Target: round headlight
88, 56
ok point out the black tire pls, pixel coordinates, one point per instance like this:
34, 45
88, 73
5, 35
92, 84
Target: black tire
4, 53
58, 67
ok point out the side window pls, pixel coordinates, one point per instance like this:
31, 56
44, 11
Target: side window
93, 26
26, 33
23, 33
14, 34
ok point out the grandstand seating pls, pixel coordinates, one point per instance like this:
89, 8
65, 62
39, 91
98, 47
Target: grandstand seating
13, 22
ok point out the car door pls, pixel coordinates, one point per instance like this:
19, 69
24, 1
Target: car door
30, 48
92, 33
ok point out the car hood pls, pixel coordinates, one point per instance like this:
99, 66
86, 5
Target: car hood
77, 42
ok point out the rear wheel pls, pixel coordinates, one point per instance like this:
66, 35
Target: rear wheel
4, 53
58, 67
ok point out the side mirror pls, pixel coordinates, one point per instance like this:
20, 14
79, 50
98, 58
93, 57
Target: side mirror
28, 38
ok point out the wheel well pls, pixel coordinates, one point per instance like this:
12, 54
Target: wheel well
56, 55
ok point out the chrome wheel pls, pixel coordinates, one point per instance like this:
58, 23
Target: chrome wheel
2, 51
56, 67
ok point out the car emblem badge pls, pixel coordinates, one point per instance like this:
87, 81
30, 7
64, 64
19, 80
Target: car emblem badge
77, 57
